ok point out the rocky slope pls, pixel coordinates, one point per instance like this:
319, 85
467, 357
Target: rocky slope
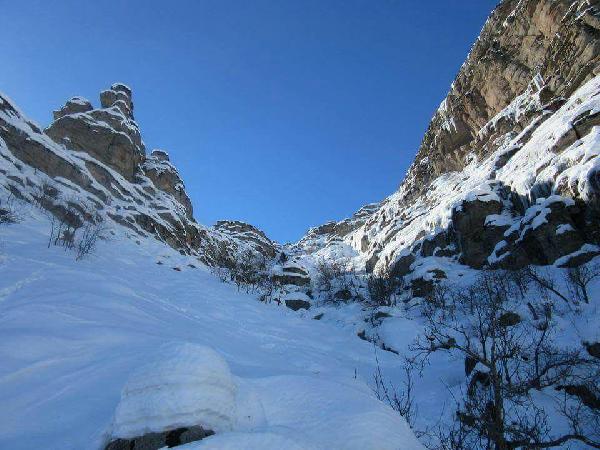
506, 174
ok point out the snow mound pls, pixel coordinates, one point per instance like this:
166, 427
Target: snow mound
186, 385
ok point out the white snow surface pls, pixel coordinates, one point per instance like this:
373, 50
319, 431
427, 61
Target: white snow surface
116, 345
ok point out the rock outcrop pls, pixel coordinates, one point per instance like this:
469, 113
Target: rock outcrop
108, 134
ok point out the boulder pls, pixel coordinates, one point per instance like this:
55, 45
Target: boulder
343, 295
183, 392
292, 274
296, 305
296, 301
593, 348
509, 319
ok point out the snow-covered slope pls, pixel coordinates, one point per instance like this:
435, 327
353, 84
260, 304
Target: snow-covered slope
117, 344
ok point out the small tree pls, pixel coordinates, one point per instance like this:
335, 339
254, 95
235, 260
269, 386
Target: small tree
9, 211
336, 280
384, 287
507, 358
401, 399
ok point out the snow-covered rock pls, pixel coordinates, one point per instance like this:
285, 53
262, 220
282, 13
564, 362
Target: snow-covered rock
186, 385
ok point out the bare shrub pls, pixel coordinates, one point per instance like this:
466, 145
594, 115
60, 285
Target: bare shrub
336, 281
401, 399
74, 226
10, 211
246, 269
578, 280
507, 358
384, 288
89, 234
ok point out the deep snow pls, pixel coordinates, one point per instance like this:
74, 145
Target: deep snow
80, 339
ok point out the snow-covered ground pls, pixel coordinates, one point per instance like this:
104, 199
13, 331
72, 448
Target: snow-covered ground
81, 341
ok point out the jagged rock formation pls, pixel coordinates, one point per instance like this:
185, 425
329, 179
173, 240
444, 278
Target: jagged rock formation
108, 134
506, 174
94, 159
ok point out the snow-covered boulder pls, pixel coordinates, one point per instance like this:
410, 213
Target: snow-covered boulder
186, 385
291, 273
296, 300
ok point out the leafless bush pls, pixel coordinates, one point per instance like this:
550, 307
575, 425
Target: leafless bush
578, 280
329, 272
383, 288
75, 226
400, 400
507, 358
246, 269
336, 281
89, 234
9, 210
270, 289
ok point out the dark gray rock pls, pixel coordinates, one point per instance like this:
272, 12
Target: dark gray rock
297, 304
343, 295
475, 240
509, 319
155, 441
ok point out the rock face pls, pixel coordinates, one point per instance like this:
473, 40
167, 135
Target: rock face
555, 42
166, 178
249, 236
73, 106
108, 134
291, 273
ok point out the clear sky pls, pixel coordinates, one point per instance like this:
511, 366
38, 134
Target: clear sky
285, 114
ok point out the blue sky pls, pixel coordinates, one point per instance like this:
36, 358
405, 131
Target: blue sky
285, 114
